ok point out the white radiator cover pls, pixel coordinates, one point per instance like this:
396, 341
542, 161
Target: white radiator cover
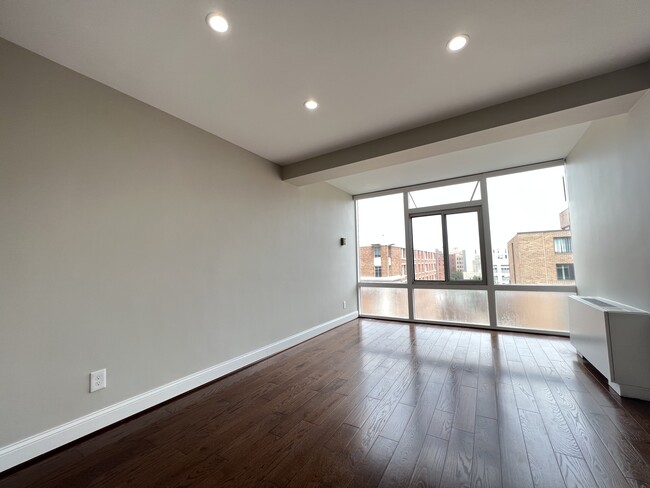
615, 338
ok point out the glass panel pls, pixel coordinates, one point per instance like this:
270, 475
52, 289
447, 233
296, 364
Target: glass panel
464, 247
544, 310
428, 258
562, 244
530, 227
442, 195
565, 272
384, 302
446, 305
382, 255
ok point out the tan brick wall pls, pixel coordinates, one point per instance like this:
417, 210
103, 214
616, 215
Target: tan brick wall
389, 267
366, 262
532, 258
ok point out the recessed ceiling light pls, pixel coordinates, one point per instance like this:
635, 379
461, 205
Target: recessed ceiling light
217, 23
311, 104
457, 43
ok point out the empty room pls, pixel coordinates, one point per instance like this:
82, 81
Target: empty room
324, 243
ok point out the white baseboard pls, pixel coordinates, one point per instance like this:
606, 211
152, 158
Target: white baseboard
630, 391
38, 444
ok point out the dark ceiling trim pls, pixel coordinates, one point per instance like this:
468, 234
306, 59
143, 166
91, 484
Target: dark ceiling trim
591, 90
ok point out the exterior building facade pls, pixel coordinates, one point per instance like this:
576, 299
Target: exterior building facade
382, 262
429, 265
500, 267
387, 262
457, 261
543, 257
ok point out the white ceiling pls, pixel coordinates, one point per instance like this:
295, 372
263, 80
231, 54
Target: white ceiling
376, 66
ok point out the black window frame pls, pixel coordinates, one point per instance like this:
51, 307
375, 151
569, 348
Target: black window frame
569, 275
447, 278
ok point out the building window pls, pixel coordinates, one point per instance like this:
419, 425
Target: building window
403, 270
565, 272
562, 244
377, 271
377, 249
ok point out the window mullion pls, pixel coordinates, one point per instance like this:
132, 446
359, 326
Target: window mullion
445, 248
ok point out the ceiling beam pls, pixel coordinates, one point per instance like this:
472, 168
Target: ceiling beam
569, 104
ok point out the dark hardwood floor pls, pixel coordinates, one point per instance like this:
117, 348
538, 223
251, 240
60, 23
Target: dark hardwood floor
376, 403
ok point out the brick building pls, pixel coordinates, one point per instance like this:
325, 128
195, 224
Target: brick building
388, 263
383, 262
429, 265
457, 261
543, 257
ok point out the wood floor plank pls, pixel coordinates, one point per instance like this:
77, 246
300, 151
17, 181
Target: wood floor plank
457, 470
487, 395
415, 389
372, 470
557, 429
238, 443
638, 484
568, 376
470, 373
500, 361
441, 424
361, 412
465, 416
451, 390
262, 457
341, 438
521, 387
575, 472
631, 430
403, 462
600, 462
543, 465
372, 427
486, 464
441, 368
397, 422
430, 464
515, 470
386, 383
509, 346
630, 462
288, 468
323, 469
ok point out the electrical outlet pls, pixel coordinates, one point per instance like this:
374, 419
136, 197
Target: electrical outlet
345, 304
97, 380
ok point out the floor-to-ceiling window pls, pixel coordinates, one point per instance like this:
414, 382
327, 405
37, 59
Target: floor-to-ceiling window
488, 250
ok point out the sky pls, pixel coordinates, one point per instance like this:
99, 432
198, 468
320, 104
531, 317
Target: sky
520, 202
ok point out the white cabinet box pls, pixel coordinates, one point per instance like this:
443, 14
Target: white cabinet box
614, 338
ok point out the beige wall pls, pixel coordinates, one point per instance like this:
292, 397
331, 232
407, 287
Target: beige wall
608, 179
132, 241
